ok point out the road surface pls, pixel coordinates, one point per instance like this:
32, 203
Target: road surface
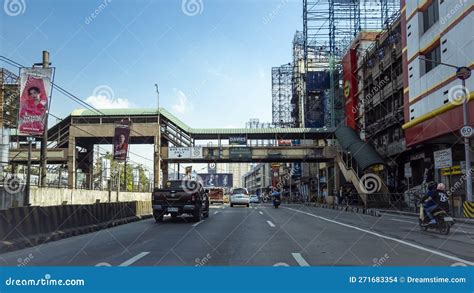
293, 235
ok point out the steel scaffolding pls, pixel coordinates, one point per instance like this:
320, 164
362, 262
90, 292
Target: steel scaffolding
281, 95
329, 26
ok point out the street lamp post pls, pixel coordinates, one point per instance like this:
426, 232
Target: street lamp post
463, 73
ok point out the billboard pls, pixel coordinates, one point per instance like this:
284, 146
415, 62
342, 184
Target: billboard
35, 88
217, 180
237, 140
121, 138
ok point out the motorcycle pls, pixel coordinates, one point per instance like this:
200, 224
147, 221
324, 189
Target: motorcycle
443, 224
276, 202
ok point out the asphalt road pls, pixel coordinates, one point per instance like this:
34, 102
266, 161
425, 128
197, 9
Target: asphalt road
293, 235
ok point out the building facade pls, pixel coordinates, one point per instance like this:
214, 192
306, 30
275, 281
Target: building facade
435, 32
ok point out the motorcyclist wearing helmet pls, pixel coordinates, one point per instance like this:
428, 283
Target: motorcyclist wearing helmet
428, 203
440, 199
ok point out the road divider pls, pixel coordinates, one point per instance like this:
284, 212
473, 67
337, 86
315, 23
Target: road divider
29, 226
344, 208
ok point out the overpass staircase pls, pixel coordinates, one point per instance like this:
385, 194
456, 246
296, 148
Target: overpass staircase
370, 187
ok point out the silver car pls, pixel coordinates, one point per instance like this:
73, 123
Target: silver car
239, 199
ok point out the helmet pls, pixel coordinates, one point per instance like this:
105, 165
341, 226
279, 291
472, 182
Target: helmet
440, 186
432, 186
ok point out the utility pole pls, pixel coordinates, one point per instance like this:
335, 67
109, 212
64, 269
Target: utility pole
44, 141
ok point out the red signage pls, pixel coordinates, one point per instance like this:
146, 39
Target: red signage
35, 87
349, 66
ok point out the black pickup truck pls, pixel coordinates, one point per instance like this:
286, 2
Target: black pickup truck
179, 197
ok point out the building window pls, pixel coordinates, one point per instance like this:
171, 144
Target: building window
430, 15
434, 56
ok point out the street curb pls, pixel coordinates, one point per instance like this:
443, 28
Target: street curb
415, 215
350, 209
17, 244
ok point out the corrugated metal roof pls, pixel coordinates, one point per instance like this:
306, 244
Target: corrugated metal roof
198, 131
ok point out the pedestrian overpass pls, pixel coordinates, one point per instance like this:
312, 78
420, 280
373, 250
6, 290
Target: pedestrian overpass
72, 140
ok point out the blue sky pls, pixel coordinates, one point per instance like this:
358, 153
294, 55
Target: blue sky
213, 68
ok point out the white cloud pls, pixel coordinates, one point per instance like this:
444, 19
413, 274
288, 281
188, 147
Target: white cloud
104, 102
182, 104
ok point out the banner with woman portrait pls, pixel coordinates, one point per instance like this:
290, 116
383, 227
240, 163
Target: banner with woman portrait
35, 89
121, 137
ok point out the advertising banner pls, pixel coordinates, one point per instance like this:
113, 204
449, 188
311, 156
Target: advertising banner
121, 138
217, 180
237, 140
35, 88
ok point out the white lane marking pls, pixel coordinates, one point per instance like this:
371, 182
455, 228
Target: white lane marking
195, 224
398, 220
260, 212
300, 260
388, 238
133, 259
271, 224
216, 213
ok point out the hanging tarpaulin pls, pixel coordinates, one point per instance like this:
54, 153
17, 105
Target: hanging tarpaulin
35, 89
121, 137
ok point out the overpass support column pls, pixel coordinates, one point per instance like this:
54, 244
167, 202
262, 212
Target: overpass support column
71, 162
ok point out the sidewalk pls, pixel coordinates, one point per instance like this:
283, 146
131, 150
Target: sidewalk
412, 214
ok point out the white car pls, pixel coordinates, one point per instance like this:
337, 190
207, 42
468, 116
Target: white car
239, 199
254, 198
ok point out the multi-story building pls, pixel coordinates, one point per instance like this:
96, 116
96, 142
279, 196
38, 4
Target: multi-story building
238, 170
376, 108
258, 178
436, 32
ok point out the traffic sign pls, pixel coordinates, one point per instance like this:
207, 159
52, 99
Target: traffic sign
466, 131
463, 73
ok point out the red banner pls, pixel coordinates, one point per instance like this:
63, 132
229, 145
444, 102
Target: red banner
121, 138
35, 87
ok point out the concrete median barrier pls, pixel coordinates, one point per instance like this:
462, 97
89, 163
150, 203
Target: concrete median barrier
29, 226
351, 209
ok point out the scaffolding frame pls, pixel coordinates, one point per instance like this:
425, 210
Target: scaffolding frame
282, 79
329, 26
